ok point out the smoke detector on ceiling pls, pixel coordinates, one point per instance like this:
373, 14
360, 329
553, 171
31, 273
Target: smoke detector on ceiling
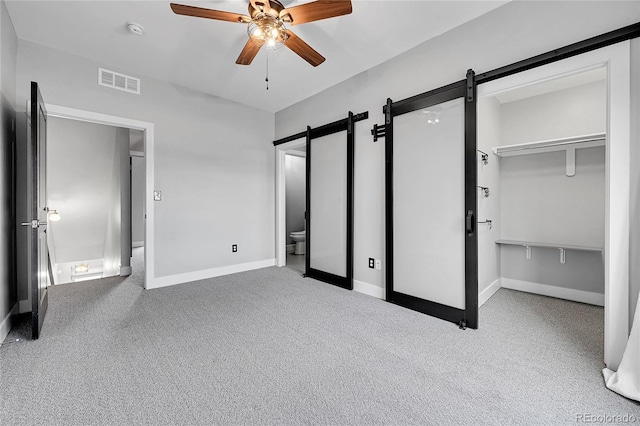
135, 28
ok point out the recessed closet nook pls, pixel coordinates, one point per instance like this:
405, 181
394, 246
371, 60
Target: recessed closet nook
541, 188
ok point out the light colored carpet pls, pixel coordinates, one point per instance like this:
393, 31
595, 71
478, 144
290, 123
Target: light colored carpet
271, 347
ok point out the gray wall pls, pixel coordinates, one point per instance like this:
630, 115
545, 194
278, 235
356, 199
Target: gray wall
8, 50
575, 111
215, 172
539, 202
124, 193
295, 193
137, 201
80, 171
88, 184
515, 31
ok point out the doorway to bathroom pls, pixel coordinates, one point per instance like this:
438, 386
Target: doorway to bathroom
295, 207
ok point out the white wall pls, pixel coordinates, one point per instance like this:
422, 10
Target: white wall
8, 49
216, 173
508, 34
489, 134
295, 169
634, 265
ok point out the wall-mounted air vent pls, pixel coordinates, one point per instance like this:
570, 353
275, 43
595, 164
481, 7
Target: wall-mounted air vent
115, 80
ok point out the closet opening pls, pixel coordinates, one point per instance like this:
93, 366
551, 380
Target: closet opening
543, 187
542, 193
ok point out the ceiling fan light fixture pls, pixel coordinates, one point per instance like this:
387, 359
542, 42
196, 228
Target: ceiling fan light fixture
267, 30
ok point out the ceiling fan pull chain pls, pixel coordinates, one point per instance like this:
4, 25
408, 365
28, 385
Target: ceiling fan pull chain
267, 78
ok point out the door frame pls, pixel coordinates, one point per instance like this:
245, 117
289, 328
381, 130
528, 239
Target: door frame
281, 197
616, 58
148, 129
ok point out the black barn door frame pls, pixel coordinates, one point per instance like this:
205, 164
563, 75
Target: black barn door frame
462, 89
348, 125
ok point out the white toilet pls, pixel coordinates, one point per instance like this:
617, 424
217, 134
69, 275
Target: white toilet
299, 238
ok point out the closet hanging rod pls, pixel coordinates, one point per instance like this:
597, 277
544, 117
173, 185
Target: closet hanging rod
585, 141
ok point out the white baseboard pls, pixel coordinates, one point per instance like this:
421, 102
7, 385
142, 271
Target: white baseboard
135, 244
553, 291
209, 273
7, 322
369, 289
488, 292
125, 271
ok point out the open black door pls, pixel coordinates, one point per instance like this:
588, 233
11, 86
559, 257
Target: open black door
430, 185
38, 273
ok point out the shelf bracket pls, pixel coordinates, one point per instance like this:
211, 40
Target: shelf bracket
485, 191
563, 256
485, 157
488, 222
528, 252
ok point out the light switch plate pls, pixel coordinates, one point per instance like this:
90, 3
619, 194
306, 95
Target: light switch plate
157, 195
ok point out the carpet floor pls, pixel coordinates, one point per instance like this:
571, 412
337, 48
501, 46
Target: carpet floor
271, 347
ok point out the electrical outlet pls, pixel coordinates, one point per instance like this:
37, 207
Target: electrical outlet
378, 264
371, 262
234, 248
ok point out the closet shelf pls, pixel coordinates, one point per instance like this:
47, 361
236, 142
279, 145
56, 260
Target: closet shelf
547, 245
569, 145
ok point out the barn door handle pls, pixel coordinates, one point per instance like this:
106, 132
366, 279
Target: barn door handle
34, 224
470, 222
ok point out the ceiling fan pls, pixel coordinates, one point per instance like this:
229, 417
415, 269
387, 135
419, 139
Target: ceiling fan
266, 24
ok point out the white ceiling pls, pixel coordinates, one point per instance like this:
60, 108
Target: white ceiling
200, 53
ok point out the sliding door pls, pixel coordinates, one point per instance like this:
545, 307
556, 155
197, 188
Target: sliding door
431, 203
330, 203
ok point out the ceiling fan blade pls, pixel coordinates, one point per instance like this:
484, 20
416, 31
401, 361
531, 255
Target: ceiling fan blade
249, 52
315, 11
305, 51
199, 12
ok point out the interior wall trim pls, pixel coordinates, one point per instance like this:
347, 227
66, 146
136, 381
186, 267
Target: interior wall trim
190, 277
149, 144
488, 292
368, 289
581, 296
